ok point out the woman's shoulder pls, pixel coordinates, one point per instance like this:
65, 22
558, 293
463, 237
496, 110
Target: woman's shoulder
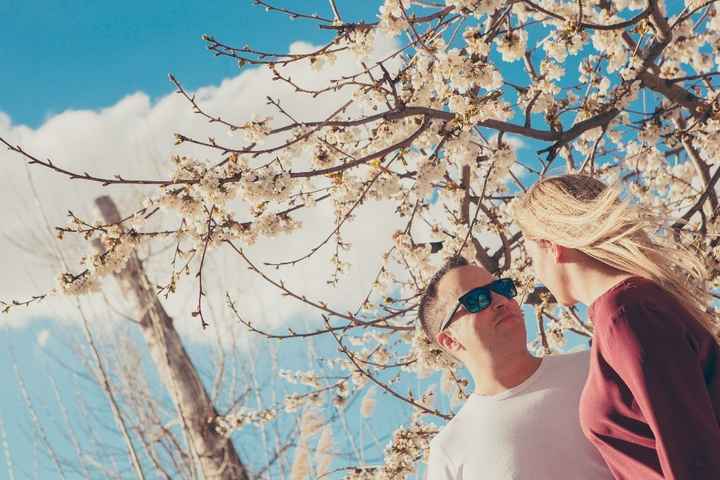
627, 294
640, 309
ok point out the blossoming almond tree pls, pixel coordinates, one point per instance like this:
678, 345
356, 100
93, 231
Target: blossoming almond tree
625, 90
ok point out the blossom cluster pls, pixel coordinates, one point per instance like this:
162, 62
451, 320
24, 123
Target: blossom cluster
229, 423
408, 445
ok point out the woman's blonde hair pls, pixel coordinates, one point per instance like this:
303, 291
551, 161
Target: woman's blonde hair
581, 212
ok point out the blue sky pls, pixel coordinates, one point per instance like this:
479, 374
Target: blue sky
57, 56
84, 54
60, 56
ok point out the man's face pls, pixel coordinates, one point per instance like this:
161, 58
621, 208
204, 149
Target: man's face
498, 327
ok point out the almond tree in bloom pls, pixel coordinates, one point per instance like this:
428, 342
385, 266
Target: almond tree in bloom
625, 90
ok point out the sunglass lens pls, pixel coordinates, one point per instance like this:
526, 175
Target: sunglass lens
505, 287
476, 300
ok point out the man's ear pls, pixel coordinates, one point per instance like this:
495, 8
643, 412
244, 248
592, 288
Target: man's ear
447, 341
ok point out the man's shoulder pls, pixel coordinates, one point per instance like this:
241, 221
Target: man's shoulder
569, 363
453, 430
572, 357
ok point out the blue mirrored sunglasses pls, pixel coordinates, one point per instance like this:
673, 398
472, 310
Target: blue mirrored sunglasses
479, 298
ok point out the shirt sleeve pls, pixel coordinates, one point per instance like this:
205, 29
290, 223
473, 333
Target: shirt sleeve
655, 358
439, 466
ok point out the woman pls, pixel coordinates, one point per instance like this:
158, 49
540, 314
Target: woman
651, 403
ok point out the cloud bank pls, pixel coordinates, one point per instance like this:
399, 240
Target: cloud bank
135, 138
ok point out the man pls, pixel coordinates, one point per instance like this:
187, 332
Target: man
521, 422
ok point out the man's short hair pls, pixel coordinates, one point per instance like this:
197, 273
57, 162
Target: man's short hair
427, 313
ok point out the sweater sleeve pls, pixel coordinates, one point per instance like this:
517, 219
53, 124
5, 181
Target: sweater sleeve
656, 360
439, 466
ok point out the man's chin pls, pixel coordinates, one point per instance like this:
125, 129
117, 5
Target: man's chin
508, 319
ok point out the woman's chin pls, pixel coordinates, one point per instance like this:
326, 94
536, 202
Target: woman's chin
567, 302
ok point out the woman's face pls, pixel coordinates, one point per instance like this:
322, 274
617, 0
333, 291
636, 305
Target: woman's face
549, 270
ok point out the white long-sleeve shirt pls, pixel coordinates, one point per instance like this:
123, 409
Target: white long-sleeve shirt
530, 432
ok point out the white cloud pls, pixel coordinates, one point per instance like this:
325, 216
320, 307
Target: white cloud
42, 337
134, 138
516, 142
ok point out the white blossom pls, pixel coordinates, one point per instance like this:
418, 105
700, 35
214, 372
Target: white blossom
512, 45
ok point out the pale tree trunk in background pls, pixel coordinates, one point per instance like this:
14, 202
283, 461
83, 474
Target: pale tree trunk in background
215, 454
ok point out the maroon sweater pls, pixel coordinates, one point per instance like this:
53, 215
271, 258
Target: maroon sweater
651, 403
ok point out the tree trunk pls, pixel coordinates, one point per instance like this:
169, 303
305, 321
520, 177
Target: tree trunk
216, 454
